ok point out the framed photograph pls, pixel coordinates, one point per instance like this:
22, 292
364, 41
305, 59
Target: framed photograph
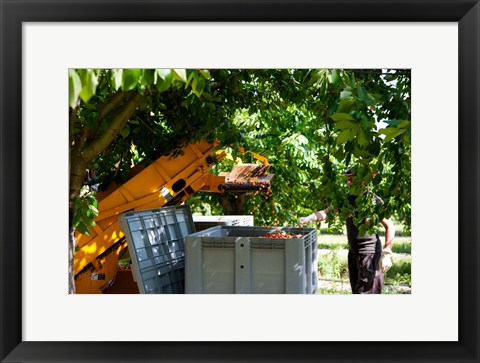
438, 41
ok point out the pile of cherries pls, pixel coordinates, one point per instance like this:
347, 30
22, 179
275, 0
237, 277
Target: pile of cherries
281, 235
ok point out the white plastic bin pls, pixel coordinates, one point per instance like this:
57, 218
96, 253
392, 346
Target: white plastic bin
204, 222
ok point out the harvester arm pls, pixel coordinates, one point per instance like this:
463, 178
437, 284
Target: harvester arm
167, 181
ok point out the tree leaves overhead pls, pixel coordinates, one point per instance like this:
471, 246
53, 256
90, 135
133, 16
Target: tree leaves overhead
311, 124
130, 78
89, 84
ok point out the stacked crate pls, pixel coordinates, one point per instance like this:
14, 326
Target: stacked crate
156, 242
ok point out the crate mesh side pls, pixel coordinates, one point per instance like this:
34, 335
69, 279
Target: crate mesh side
268, 243
157, 238
218, 242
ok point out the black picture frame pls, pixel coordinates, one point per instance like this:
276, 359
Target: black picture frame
13, 13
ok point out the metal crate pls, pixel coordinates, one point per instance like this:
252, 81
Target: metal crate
204, 222
238, 260
156, 242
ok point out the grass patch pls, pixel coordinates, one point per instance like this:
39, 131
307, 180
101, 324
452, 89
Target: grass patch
333, 290
339, 241
332, 265
400, 272
400, 231
402, 245
333, 246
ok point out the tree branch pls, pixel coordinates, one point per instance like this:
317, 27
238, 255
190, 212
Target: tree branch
99, 144
112, 103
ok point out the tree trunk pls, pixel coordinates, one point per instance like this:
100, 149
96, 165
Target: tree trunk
83, 152
71, 253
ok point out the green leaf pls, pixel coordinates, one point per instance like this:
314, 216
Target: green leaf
165, 80
200, 84
83, 229
346, 105
344, 136
163, 85
116, 78
94, 201
361, 153
180, 75
345, 94
78, 203
205, 73
89, 222
130, 79
315, 76
149, 76
194, 83
190, 77
74, 87
339, 154
342, 117
404, 124
89, 85
391, 133
335, 76
362, 139
364, 95
344, 124
76, 219
164, 73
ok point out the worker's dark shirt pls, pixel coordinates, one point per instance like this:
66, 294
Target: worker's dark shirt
361, 243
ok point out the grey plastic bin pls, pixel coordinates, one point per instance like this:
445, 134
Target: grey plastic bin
237, 260
156, 242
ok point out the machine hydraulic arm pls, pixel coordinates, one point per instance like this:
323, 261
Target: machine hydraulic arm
167, 181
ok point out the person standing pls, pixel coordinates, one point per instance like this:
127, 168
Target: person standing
367, 260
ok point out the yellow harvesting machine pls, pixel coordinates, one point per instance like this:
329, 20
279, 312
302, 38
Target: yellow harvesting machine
167, 181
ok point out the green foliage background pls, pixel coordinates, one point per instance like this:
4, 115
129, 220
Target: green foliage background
310, 124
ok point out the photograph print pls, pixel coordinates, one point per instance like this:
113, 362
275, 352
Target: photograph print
239, 181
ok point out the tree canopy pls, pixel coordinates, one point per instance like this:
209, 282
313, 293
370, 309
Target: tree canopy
310, 124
